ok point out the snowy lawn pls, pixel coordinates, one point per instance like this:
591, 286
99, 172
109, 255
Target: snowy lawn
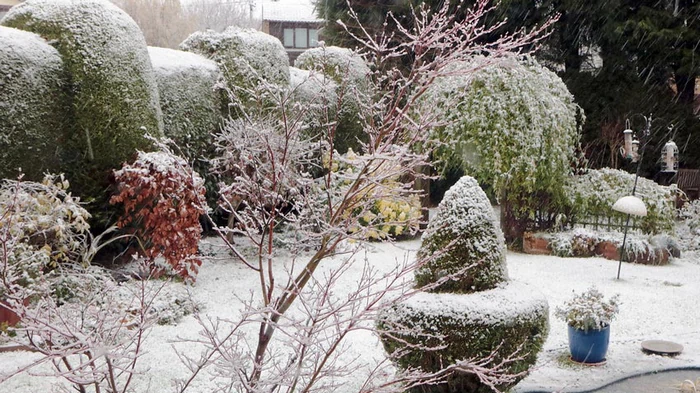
657, 303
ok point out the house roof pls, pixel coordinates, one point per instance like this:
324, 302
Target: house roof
289, 11
9, 2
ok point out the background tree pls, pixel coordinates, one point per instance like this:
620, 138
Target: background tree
648, 50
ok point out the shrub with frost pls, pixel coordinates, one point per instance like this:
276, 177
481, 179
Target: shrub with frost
33, 104
340, 64
390, 215
113, 92
350, 73
593, 194
317, 94
442, 331
193, 103
688, 228
46, 217
245, 56
163, 199
190, 99
464, 233
515, 130
470, 310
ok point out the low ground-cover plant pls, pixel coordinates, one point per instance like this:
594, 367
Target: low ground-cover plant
581, 242
162, 199
76, 316
45, 217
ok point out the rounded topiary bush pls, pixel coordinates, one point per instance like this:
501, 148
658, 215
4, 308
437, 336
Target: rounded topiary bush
512, 124
113, 91
193, 104
316, 95
245, 56
189, 99
467, 327
350, 73
463, 233
33, 104
466, 316
341, 64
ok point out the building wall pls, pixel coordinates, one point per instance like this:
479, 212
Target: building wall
5, 6
276, 28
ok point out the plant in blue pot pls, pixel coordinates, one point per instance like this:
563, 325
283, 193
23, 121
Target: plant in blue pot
589, 315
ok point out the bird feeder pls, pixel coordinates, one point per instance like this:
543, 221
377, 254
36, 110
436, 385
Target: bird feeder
630, 205
626, 150
669, 157
634, 154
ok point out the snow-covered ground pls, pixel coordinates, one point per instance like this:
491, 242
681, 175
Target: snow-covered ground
657, 303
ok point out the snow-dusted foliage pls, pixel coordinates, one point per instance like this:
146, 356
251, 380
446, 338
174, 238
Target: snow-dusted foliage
470, 309
512, 319
351, 75
689, 228
338, 63
318, 95
390, 215
189, 99
588, 311
245, 56
594, 193
463, 234
514, 130
163, 199
581, 242
45, 217
32, 104
114, 97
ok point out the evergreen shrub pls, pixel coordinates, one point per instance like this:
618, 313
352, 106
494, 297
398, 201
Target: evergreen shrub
463, 233
465, 316
593, 194
350, 73
33, 105
113, 93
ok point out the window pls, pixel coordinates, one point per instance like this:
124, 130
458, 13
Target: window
313, 37
299, 37
288, 37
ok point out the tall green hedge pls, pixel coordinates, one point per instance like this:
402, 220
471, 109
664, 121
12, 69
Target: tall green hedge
193, 104
246, 58
113, 93
33, 105
350, 73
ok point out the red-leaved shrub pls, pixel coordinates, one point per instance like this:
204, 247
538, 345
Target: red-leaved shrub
163, 199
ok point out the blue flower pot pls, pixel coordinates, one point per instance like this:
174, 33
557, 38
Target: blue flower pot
589, 346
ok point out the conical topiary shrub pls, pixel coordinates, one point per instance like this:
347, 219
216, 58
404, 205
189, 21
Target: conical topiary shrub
466, 224
470, 315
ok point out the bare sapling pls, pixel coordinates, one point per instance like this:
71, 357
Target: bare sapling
286, 201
